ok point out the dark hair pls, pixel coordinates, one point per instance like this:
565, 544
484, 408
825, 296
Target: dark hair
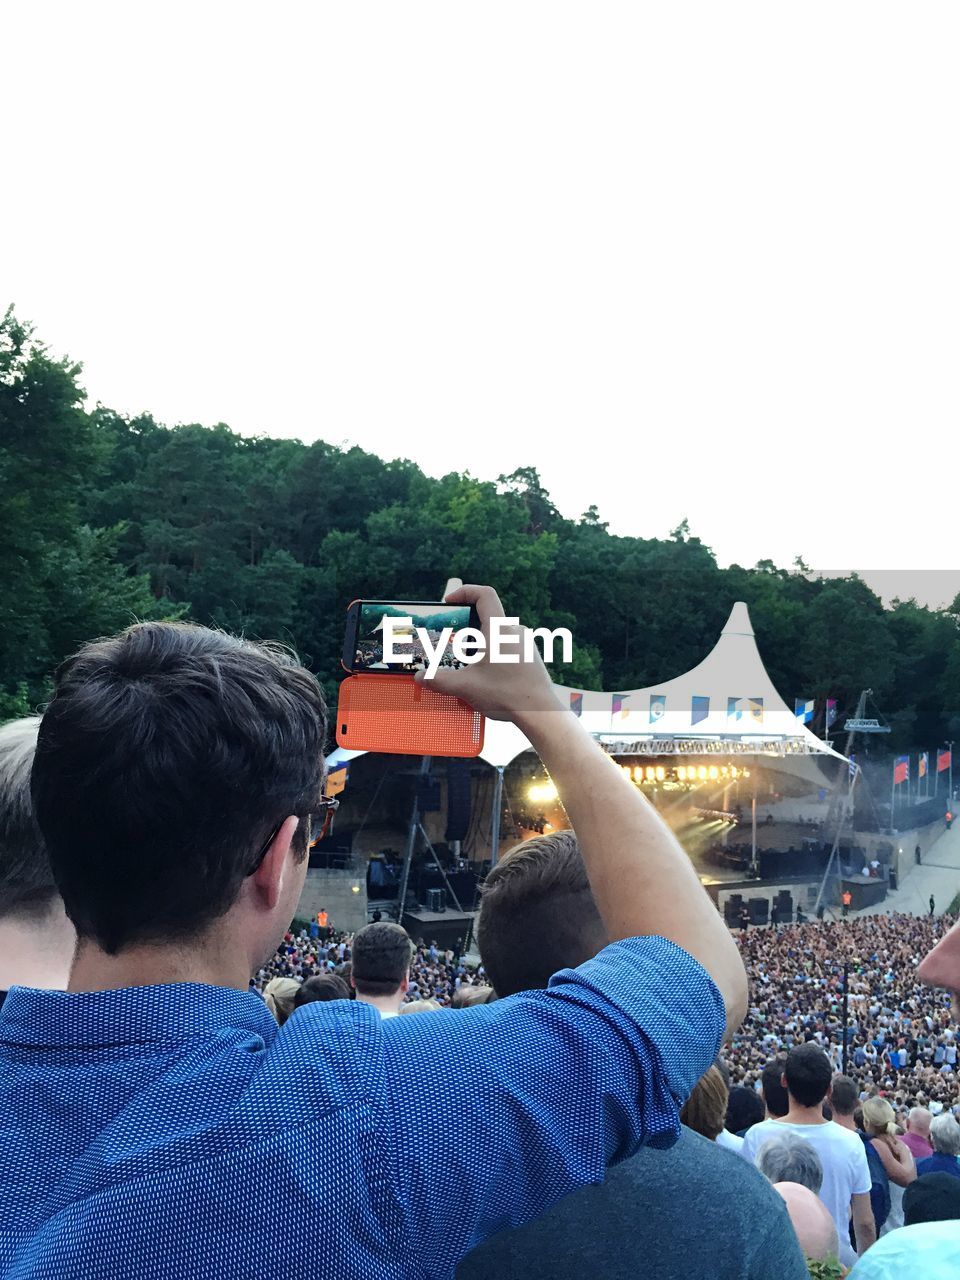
27, 888
933, 1197
537, 914
323, 987
844, 1095
166, 758
808, 1073
345, 973
381, 958
774, 1094
744, 1108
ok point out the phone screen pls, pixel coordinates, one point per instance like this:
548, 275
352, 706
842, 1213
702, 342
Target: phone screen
426, 623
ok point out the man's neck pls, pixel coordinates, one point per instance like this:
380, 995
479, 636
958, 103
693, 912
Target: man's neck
385, 1005
36, 954
148, 966
845, 1122
804, 1115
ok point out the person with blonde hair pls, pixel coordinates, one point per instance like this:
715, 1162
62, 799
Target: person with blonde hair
279, 995
879, 1125
421, 1006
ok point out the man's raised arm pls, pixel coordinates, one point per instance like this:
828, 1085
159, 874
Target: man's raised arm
642, 880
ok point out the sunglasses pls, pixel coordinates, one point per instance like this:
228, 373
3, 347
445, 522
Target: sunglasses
328, 806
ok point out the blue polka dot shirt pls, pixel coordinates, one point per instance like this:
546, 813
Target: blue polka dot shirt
176, 1132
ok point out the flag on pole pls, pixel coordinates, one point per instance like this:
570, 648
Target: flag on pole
337, 779
803, 709
658, 706
852, 767
745, 709
901, 770
619, 705
943, 759
699, 709
923, 764
576, 703
831, 712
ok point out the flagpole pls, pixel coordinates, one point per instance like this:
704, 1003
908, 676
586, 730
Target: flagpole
893, 791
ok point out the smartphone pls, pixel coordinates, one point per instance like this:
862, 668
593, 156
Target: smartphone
417, 639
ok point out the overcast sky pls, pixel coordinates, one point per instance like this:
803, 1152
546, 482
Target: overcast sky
694, 260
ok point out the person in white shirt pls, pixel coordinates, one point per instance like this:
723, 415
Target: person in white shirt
381, 958
846, 1174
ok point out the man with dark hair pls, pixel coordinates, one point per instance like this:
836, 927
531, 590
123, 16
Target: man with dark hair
844, 1100
846, 1174
538, 917
178, 777
381, 966
775, 1097
36, 938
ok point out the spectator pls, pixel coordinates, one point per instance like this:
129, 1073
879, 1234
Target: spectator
381, 966
705, 1109
279, 995
934, 1197
844, 1100
846, 1175
928, 1251
421, 1006
945, 1140
880, 1127
320, 989
790, 1158
37, 940
467, 997
776, 1100
539, 894
812, 1223
917, 1136
744, 1108
177, 778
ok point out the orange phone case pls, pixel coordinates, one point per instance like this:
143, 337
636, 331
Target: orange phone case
396, 715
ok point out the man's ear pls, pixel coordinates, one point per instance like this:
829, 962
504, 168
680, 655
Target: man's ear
783, 1083
268, 877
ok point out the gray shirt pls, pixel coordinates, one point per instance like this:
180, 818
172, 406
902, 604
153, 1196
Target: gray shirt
694, 1211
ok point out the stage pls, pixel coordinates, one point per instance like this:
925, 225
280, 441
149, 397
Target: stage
448, 929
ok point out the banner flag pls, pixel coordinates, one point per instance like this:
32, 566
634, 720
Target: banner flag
619, 705
901, 769
943, 760
853, 767
658, 706
576, 703
803, 709
831, 712
745, 708
337, 779
699, 709
923, 764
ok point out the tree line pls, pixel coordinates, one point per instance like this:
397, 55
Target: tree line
106, 518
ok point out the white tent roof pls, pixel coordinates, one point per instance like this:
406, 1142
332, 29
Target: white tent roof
758, 721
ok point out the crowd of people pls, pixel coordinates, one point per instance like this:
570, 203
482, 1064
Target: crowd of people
901, 1034
588, 1099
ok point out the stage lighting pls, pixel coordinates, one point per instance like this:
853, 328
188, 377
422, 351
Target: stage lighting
713, 773
681, 773
651, 773
702, 772
661, 773
637, 773
542, 792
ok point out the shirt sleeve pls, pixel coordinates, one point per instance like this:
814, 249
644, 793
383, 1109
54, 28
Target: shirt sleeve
862, 1178
501, 1110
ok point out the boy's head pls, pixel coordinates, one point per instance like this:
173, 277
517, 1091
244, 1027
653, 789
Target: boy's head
175, 775
537, 914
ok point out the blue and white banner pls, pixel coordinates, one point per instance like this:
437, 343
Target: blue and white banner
658, 706
745, 709
804, 709
699, 709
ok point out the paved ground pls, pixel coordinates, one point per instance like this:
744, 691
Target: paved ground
938, 874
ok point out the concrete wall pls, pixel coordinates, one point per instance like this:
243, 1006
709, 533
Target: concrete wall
334, 891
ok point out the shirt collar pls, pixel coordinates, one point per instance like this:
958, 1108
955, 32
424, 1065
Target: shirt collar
130, 1015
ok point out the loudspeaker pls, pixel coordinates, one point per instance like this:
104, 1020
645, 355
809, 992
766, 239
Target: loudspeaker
759, 910
436, 900
458, 800
785, 904
428, 794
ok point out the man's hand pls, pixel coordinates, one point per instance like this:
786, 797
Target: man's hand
519, 691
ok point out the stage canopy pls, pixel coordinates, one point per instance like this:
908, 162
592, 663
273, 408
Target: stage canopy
727, 705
